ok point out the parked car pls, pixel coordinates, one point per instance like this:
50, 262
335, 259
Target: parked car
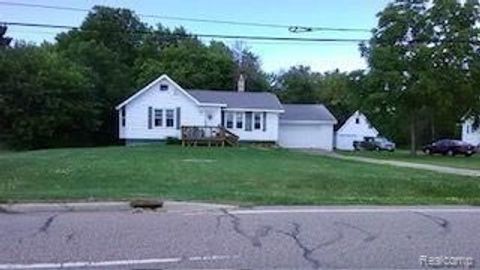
374, 143
449, 147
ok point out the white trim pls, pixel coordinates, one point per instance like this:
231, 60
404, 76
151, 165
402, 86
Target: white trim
213, 105
260, 128
252, 110
307, 122
163, 77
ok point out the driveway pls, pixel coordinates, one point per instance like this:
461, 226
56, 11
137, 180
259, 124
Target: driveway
404, 164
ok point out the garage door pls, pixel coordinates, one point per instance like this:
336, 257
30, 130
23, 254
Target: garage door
345, 141
306, 136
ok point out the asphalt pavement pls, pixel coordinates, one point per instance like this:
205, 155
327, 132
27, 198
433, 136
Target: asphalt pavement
273, 237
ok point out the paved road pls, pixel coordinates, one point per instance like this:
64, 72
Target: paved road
292, 237
404, 164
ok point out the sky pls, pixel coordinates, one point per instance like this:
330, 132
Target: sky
274, 56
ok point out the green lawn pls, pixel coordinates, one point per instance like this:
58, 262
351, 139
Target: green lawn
238, 175
472, 162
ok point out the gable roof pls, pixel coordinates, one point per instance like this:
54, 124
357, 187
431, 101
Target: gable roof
238, 100
352, 117
144, 89
307, 112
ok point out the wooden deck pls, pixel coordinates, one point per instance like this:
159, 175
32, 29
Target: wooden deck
208, 135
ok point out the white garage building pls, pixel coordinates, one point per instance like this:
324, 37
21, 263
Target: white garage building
306, 126
356, 128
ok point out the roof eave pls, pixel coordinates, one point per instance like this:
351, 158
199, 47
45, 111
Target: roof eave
254, 109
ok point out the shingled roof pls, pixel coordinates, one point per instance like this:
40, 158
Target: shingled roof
240, 100
306, 112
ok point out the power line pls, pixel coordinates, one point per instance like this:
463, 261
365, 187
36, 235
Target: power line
291, 28
220, 36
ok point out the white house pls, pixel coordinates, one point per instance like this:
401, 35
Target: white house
160, 109
356, 128
470, 134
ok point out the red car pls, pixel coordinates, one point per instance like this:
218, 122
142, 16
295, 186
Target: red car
449, 147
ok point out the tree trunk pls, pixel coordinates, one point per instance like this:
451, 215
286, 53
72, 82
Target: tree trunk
413, 135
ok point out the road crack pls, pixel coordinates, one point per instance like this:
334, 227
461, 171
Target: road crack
46, 225
307, 252
441, 222
254, 239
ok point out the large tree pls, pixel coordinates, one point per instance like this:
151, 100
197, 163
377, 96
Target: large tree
107, 43
45, 99
399, 59
455, 61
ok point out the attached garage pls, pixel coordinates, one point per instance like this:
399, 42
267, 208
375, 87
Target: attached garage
306, 126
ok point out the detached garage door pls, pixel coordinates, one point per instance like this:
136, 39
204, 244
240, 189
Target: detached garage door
306, 136
345, 141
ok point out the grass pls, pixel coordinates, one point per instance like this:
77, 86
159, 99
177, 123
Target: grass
229, 175
459, 161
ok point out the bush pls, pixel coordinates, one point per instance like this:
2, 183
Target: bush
173, 141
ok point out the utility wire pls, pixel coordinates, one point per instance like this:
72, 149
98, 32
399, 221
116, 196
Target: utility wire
291, 28
220, 36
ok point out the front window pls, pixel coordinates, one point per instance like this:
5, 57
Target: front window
229, 120
257, 121
169, 118
158, 120
239, 119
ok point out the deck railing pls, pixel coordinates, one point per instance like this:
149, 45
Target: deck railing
216, 135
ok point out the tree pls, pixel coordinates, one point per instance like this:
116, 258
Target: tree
45, 99
340, 92
192, 64
107, 43
298, 85
4, 41
248, 64
455, 61
398, 57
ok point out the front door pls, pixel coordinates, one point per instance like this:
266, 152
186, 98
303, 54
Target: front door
210, 117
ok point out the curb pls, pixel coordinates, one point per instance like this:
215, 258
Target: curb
168, 206
21, 208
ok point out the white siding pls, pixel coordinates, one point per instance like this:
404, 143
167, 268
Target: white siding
269, 135
137, 113
352, 131
318, 136
191, 114
469, 134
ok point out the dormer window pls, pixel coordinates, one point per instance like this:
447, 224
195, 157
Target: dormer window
163, 87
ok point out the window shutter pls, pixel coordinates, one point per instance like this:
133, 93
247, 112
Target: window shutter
178, 118
223, 118
264, 121
150, 117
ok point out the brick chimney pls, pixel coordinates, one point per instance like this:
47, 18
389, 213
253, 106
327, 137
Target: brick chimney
241, 83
